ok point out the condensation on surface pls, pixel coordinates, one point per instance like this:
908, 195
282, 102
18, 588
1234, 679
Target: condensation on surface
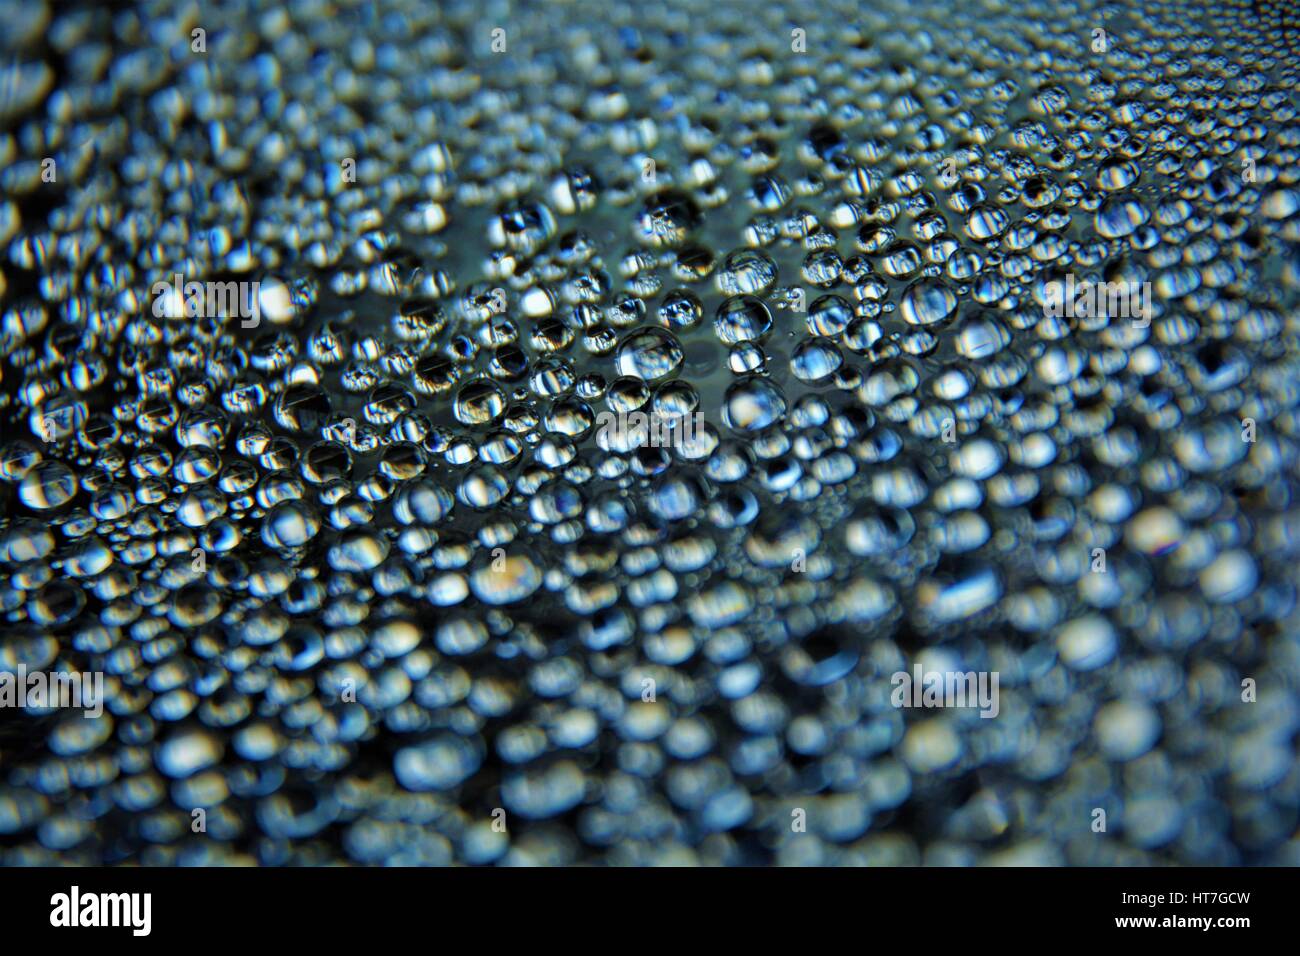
364, 575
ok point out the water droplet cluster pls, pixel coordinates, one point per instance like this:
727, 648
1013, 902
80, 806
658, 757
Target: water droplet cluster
360, 568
